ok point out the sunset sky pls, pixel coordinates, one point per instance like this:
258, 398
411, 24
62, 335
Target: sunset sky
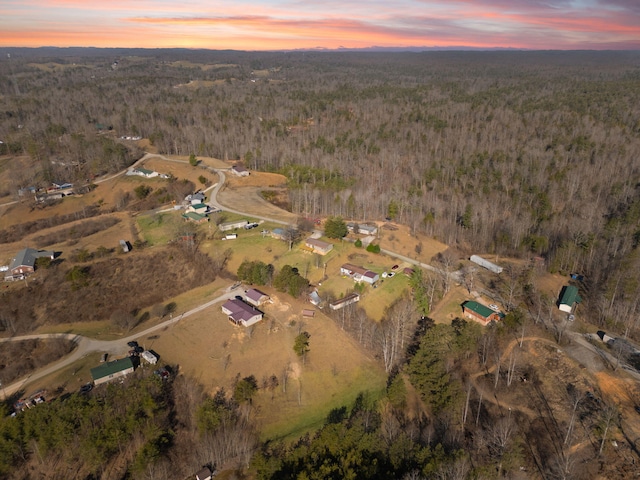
303, 24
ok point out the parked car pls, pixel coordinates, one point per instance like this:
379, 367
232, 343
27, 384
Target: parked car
494, 307
394, 267
87, 387
104, 357
391, 274
132, 344
384, 274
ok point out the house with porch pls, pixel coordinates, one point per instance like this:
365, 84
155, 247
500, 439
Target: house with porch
241, 313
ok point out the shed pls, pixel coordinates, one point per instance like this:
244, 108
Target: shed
204, 474
307, 312
314, 298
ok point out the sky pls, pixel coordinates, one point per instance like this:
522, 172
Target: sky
328, 24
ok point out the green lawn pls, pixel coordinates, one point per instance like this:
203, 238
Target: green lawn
159, 228
320, 392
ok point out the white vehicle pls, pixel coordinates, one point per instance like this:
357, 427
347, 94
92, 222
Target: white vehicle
494, 307
384, 274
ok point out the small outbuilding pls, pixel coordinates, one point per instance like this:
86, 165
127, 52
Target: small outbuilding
204, 474
150, 357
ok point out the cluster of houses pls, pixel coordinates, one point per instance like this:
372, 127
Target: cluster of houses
195, 209
55, 191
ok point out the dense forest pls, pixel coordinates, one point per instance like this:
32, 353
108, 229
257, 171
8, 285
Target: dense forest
501, 152
490, 152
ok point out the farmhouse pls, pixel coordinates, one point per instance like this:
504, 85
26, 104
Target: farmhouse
569, 298
359, 274
256, 297
318, 246
223, 227
241, 313
343, 302
479, 313
194, 217
112, 370
24, 263
239, 171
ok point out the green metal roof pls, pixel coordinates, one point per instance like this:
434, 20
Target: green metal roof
110, 368
144, 170
193, 216
569, 295
478, 308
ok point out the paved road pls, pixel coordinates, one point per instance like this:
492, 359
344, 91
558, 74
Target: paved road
86, 345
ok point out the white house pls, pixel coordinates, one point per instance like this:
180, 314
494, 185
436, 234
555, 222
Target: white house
223, 227
359, 274
343, 302
239, 171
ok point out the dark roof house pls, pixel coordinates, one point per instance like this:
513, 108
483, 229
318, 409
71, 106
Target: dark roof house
24, 262
256, 297
241, 313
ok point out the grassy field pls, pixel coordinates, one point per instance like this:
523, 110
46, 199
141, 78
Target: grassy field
208, 347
